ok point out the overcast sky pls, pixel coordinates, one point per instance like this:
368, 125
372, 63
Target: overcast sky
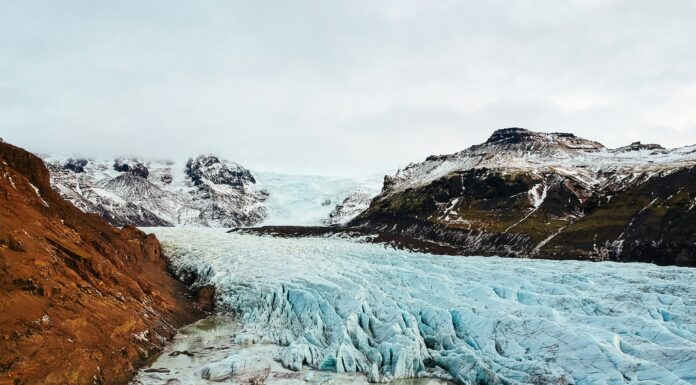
340, 87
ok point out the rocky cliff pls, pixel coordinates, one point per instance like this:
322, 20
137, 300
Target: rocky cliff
548, 195
81, 302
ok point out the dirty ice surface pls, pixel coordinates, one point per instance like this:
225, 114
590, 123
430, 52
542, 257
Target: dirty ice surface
342, 306
207, 353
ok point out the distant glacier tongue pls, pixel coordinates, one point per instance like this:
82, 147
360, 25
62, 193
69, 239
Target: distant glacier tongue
345, 306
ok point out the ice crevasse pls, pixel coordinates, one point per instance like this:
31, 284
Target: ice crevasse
347, 306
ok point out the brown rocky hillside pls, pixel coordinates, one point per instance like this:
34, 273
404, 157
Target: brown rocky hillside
81, 302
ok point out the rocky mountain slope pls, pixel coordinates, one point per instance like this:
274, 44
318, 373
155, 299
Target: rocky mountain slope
81, 302
548, 195
205, 191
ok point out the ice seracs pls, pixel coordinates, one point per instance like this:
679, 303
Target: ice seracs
344, 306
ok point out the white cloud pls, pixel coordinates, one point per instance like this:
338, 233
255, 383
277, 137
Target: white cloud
340, 87
677, 111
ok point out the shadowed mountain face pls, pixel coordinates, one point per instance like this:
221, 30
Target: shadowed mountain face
81, 302
557, 196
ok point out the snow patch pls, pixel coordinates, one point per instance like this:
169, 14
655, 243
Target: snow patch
537, 198
38, 194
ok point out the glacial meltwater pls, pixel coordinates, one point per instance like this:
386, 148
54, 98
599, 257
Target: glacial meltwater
334, 310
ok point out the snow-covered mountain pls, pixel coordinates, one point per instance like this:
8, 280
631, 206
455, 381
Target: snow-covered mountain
204, 191
554, 195
586, 162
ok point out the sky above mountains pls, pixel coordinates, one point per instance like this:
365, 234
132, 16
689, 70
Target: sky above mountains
340, 88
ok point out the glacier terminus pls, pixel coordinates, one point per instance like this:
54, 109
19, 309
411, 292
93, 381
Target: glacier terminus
349, 307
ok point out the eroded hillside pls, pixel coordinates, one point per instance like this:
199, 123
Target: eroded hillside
81, 302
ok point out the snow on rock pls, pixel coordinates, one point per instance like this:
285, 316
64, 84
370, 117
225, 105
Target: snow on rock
38, 194
538, 194
205, 191
344, 306
518, 149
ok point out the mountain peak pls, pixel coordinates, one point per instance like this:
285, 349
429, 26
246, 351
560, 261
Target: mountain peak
131, 166
510, 135
521, 138
637, 146
211, 168
76, 165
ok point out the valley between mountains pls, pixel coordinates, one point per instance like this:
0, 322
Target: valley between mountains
519, 194
531, 258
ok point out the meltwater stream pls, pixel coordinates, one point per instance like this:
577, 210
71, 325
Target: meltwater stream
335, 310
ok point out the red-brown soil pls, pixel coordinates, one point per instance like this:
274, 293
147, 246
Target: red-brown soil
81, 302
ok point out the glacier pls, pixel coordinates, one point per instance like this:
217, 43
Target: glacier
350, 307
312, 200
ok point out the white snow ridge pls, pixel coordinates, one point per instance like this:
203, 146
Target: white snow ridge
345, 306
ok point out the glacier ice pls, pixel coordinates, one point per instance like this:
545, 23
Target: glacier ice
206, 353
347, 306
310, 200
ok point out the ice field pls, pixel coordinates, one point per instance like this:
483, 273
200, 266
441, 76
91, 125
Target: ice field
341, 305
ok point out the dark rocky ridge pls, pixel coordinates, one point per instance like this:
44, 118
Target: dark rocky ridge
395, 240
76, 165
138, 169
519, 138
557, 196
636, 146
209, 167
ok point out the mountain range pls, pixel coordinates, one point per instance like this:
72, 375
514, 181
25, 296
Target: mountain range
82, 301
520, 193
204, 191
